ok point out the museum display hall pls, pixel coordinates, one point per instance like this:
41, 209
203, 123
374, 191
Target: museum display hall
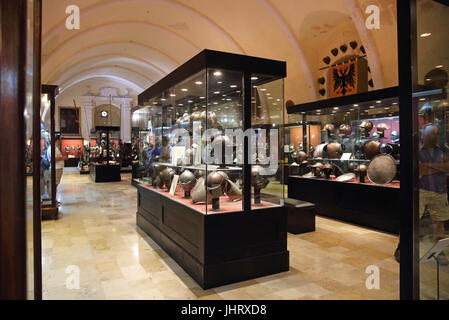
224, 150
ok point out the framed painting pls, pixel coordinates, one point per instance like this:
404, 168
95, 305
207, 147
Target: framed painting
69, 121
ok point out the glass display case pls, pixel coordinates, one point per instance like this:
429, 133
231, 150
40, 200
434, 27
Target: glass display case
85, 155
51, 157
105, 154
208, 139
351, 143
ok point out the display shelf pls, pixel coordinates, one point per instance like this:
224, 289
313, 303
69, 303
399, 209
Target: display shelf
226, 204
200, 167
355, 134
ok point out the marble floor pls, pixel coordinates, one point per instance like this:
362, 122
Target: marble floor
97, 236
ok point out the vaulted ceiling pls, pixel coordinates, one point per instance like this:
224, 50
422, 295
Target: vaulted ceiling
134, 43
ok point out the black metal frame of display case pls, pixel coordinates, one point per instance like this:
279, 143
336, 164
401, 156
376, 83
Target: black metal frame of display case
105, 172
51, 211
355, 203
220, 248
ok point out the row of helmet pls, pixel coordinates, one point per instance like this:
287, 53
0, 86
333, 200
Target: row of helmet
201, 188
207, 118
382, 169
345, 130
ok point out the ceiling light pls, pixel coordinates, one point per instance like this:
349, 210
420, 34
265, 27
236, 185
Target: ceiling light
190, 101
422, 99
184, 89
180, 104
378, 101
219, 82
233, 86
164, 99
254, 78
198, 82
217, 73
439, 66
371, 107
201, 97
356, 105
335, 108
426, 34
172, 95
217, 92
263, 89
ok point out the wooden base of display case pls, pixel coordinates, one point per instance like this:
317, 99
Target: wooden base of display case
216, 248
126, 169
134, 182
105, 172
366, 204
71, 162
300, 217
49, 212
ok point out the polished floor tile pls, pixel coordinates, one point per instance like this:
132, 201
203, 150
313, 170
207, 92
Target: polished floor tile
97, 235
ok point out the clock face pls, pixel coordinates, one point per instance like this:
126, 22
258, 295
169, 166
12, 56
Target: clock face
104, 114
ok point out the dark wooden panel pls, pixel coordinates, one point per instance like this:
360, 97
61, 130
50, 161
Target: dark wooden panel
183, 225
244, 269
149, 205
301, 218
105, 173
239, 235
13, 260
37, 220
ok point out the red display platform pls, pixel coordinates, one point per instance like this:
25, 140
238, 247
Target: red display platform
226, 205
392, 184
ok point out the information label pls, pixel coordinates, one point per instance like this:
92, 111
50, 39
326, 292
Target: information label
174, 183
